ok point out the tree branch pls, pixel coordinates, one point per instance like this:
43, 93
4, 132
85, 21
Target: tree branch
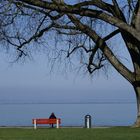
137, 17
76, 48
104, 48
99, 3
36, 35
70, 9
112, 34
117, 11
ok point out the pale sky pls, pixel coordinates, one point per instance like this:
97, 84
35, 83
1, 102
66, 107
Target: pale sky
32, 82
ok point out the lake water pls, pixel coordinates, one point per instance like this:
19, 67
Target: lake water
104, 114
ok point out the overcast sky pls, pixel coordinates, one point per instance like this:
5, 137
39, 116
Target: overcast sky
32, 81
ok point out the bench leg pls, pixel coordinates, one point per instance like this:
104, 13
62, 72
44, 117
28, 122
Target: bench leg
35, 126
57, 123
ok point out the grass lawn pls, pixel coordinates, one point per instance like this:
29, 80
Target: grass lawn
114, 133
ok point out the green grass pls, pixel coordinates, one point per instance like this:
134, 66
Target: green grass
114, 133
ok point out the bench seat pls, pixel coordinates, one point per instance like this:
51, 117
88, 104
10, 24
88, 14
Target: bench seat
56, 121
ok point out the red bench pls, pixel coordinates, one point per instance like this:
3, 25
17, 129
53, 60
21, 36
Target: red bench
46, 121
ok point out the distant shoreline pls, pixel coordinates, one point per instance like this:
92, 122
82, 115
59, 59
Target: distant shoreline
108, 102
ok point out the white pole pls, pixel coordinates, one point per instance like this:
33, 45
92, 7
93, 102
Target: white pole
88, 122
35, 126
57, 123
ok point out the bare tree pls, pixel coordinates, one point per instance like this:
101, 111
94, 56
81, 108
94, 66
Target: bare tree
23, 22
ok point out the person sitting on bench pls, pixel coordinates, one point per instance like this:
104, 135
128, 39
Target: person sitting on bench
52, 116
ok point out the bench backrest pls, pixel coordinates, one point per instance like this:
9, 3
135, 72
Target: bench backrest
46, 121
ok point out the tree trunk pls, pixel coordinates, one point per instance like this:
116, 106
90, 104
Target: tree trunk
137, 91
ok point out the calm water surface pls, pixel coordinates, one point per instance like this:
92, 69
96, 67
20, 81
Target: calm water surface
108, 114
